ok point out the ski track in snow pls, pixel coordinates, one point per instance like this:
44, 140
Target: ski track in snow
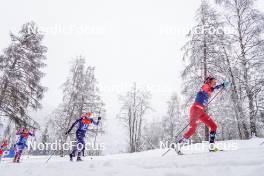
248, 160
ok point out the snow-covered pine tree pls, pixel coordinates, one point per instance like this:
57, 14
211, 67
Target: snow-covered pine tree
21, 74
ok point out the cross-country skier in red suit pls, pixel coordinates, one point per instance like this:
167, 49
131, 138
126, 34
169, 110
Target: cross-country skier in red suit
198, 113
2, 147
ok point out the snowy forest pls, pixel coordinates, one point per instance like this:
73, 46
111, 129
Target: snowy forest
227, 41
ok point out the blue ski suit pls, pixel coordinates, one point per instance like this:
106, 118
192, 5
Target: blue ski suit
83, 124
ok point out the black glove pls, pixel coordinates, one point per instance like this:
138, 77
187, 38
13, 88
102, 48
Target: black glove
99, 118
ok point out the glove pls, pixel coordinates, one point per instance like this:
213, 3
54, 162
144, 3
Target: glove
225, 84
99, 118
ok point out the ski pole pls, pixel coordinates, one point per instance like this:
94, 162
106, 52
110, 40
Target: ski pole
193, 119
50, 156
96, 133
97, 125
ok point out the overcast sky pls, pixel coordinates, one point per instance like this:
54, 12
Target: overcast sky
127, 41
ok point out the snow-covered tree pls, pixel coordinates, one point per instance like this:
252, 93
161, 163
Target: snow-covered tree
234, 54
20, 75
246, 26
80, 95
135, 105
172, 122
201, 51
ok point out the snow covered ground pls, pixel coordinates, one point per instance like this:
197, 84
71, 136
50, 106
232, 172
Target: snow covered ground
247, 160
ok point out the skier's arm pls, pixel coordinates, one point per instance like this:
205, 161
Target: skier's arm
224, 84
31, 134
72, 126
217, 87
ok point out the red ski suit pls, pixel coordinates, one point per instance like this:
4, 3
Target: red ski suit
197, 111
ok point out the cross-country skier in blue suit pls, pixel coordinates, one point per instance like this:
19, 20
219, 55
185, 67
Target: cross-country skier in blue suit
83, 124
22, 142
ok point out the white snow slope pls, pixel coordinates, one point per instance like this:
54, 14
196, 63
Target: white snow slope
247, 160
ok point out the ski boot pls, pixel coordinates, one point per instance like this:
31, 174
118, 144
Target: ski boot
212, 147
179, 145
179, 152
71, 157
79, 158
182, 140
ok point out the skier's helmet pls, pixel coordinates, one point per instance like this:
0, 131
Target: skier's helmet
88, 114
209, 79
25, 132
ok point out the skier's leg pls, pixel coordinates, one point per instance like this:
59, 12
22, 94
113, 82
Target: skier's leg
19, 153
208, 121
194, 117
15, 157
81, 145
80, 149
74, 150
213, 127
83, 151
72, 154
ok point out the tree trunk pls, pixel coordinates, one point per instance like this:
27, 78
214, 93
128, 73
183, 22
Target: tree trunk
237, 103
245, 77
